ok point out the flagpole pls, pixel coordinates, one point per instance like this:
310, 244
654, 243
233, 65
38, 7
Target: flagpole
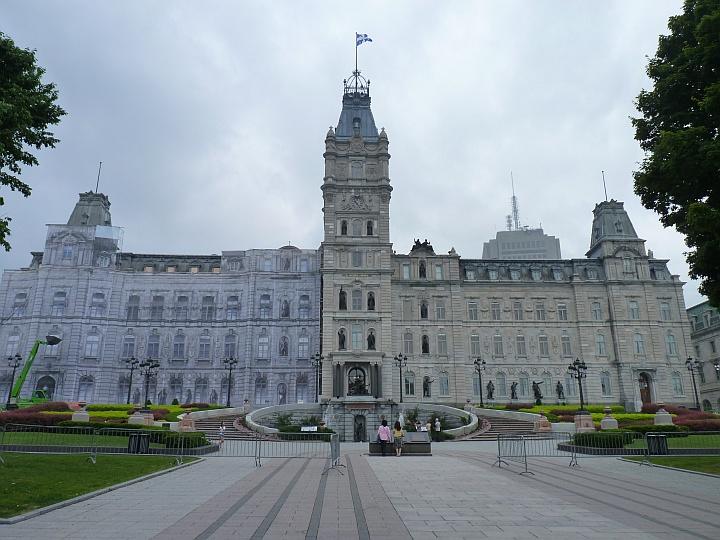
356, 69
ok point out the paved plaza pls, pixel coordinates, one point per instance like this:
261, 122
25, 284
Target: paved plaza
455, 494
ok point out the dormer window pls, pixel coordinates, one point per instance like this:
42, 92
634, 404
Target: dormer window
67, 253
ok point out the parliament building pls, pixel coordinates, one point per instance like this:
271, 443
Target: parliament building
356, 299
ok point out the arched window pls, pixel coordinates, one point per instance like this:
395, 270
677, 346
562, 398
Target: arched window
86, 388
422, 271
204, 346
356, 382
639, 344
371, 301
423, 310
677, 384
343, 227
201, 389
285, 309
524, 381
283, 346
427, 387
92, 346
47, 385
153, 345
357, 299
425, 344
281, 394
605, 387
371, 340
263, 345
230, 341
407, 343
706, 405
342, 300
369, 228
301, 388
444, 384
128, 346
409, 383
671, 345
261, 390
179, 347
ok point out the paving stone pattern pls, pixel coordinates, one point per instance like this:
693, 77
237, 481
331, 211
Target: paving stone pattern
455, 494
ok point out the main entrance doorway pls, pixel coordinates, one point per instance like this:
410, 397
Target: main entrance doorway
645, 394
359, 428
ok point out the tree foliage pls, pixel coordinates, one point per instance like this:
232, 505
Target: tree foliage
680, 134
27, 108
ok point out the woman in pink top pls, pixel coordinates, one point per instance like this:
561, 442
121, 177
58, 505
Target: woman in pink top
383, 436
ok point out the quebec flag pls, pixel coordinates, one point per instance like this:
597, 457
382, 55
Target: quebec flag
361, 38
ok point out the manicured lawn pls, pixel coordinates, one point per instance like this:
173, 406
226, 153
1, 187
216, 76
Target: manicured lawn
66, 439
31, 481
706, 464
691, 441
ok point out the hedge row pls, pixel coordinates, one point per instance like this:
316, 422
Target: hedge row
681, 431
37, 418
605, 439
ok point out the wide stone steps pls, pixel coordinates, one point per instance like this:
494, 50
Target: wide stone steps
502, 426
211, 427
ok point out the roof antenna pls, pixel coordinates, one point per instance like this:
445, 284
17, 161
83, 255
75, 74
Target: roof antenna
604, 186
515, 212
97, 184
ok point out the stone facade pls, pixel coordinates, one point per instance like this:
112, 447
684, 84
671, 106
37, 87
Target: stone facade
357, 301
705, 321
522, 244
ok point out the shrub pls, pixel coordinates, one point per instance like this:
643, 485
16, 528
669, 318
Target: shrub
699, 425
604, 439
175, 402
311, 420
195, 405
676, 431
110, 407
58, 406
518, 406
101, 425
20, 416
284, 420
189, 440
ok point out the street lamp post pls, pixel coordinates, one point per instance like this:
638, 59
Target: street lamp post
132, 364
480, 367
578, 370
692, 366
14, 363
148, 368
229, 364
316, 361
401, 362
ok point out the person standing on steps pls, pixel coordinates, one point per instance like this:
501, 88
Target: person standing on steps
437, 429
221, 434
383, 436
398, 434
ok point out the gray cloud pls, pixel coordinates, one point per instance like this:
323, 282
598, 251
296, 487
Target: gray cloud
210, 118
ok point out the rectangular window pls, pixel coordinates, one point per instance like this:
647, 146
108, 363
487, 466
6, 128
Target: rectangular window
600, 349
472, 311
357, 340
475, 345
562, 312
204, 348
543, 344
438, 271
233, 308
265, 306
156, 308
153, 346
539, 311
440, 310
408, 343
596, 311
469, 274
566, 349
406, 271
304, 347
356, 299
442, 344
444, 385
207, 312
498, 345
517, 311
128, 347
495, 311
520, 346
633, 310
133, 308
58, 305
407, 309
356, 259
712, 347
182, 308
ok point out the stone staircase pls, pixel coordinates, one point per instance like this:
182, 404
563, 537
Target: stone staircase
503, 426
211, 427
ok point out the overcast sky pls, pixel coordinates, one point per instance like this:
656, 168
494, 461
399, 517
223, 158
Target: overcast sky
210, 117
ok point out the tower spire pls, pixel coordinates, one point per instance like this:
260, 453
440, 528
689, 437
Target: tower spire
515, 211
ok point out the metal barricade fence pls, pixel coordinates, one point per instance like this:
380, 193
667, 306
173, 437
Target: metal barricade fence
683, 443
286, 445
48, 439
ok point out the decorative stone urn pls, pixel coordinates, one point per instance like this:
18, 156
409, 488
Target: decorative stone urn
542, 425
583, 422
187, 423
608, 421
81, 415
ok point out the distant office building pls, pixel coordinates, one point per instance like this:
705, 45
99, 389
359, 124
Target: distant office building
705, 336
522, 244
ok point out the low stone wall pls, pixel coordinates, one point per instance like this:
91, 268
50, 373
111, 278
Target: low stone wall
262, 420
214, 413
464, 421
512, 415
